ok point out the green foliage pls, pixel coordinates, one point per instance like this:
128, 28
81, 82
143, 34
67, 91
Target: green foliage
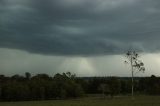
27, 75
39, 87
114, 86
66, 85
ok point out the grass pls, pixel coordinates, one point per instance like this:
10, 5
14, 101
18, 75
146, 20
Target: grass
118, 101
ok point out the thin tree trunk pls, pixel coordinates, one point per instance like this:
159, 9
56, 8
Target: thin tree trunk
132, 83
132, 78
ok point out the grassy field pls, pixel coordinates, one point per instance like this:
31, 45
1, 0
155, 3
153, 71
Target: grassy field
118, 101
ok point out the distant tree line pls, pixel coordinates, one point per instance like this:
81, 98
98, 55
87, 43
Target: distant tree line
39, 87
67, 85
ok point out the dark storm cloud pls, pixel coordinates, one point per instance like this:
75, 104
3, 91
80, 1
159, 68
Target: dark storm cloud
80, 27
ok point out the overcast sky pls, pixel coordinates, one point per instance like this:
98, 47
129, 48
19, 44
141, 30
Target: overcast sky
86, 37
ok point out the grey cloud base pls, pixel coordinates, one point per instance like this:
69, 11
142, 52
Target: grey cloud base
80, 27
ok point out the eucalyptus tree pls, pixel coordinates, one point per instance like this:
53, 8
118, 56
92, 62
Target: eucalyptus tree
135, 64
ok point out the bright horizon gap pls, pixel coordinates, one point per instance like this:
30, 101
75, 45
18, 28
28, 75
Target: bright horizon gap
18, 62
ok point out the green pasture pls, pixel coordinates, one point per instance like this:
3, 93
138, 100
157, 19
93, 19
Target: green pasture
93, 101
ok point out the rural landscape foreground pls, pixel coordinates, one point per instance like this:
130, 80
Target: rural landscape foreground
119, 101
